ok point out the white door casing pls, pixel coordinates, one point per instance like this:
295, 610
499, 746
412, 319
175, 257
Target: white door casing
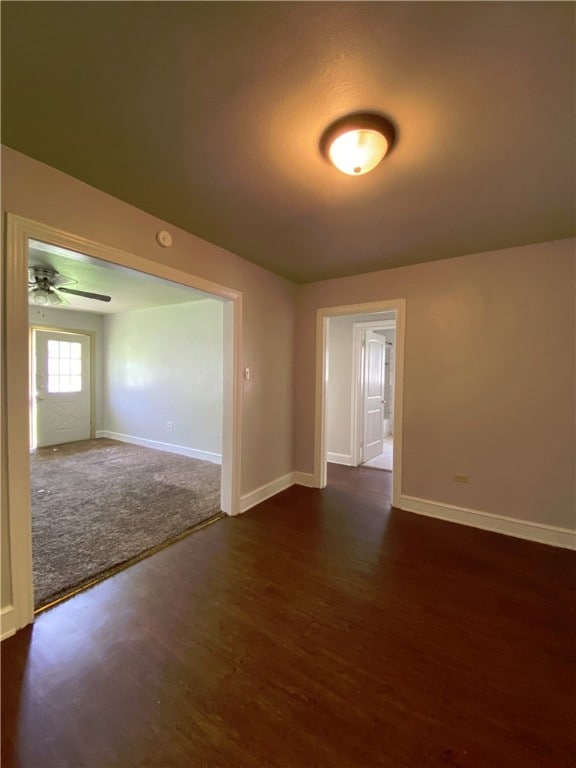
374, 373
61, 378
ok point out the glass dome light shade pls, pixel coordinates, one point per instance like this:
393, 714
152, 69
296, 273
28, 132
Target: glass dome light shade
358, 151
357, 142
45, 296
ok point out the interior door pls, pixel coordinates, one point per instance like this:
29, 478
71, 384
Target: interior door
61, 377
374, 375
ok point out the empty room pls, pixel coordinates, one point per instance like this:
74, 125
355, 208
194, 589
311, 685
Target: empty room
379, 200
125, 416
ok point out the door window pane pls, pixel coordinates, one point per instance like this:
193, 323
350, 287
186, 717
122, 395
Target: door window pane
64, 366
53, 366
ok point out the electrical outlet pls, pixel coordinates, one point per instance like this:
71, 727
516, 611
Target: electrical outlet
460, 478
170, 424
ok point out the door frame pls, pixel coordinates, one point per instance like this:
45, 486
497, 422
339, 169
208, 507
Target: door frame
357, 422
15, 407
78, 332
320, 478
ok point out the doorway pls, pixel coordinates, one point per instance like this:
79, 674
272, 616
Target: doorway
114, 483
360, 380
360, 357
20, 233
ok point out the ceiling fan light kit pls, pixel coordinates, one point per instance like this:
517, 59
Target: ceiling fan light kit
45, 296
355, 144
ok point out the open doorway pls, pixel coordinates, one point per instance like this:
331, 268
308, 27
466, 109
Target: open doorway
359, 391
126, 400
19, 234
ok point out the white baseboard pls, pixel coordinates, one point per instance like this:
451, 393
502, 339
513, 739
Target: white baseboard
304, 478
339, 458
194, 453
521, 529
257, 496
249, 500
7, 622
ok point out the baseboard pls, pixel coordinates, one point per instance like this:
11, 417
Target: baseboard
7, 622
339, 458
193, 453
264, 492
304, 478
545, 534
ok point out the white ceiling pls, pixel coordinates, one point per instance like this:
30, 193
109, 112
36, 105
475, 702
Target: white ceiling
209, 115
127, 288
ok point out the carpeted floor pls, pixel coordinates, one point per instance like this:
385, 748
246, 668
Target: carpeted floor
99, 503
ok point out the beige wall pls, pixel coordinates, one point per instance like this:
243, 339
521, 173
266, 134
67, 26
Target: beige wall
489, 379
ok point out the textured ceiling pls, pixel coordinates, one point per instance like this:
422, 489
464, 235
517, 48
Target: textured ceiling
208, 115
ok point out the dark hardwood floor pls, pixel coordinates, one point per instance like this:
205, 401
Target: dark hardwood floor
319, 629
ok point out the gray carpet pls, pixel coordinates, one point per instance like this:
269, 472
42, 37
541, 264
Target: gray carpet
99, 503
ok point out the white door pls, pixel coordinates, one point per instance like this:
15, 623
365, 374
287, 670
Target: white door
374, 373
61, 377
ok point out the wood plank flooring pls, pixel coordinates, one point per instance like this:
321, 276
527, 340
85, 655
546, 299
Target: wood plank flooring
318, 629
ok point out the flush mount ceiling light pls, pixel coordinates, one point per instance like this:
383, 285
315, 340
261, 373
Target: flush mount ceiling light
355, 144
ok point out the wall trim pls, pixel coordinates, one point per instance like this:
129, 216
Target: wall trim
7, 622
510, 526
182, 450
306, 479
340, 458
258, 495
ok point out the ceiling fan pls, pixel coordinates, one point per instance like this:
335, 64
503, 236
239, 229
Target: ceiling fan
46, 284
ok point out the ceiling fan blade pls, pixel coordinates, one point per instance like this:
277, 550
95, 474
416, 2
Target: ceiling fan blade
86, 295
62, 280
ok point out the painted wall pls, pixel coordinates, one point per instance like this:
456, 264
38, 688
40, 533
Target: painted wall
68, 319
339, 390
486, 393
165, 365
38, 192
